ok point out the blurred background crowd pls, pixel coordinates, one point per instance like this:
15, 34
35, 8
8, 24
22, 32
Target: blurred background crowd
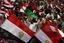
50, 9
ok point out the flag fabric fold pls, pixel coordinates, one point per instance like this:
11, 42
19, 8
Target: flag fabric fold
48, 33
17, 28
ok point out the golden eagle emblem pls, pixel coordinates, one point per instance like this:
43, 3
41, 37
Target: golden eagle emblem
47, 41
20, 34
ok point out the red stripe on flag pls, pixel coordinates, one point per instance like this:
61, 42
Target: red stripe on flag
20, 24
47, 30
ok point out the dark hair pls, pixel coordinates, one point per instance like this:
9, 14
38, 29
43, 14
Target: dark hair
61, 40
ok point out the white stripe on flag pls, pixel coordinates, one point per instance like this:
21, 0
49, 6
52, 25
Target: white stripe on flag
62, 34
8, 5
13, 29
42, 36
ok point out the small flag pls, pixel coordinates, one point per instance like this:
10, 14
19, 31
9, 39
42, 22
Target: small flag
17, 28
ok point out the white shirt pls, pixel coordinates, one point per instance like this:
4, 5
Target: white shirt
33, 27
48, 15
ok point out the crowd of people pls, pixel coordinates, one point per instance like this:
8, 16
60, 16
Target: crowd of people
54, 12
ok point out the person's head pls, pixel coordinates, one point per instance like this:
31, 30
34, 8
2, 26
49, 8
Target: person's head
61, 40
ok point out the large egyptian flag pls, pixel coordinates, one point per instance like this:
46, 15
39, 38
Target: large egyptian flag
8, 37
16, 27
23, 8
48, 33
8, 4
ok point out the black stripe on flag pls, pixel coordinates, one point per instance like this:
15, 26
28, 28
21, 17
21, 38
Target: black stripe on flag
6, 35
